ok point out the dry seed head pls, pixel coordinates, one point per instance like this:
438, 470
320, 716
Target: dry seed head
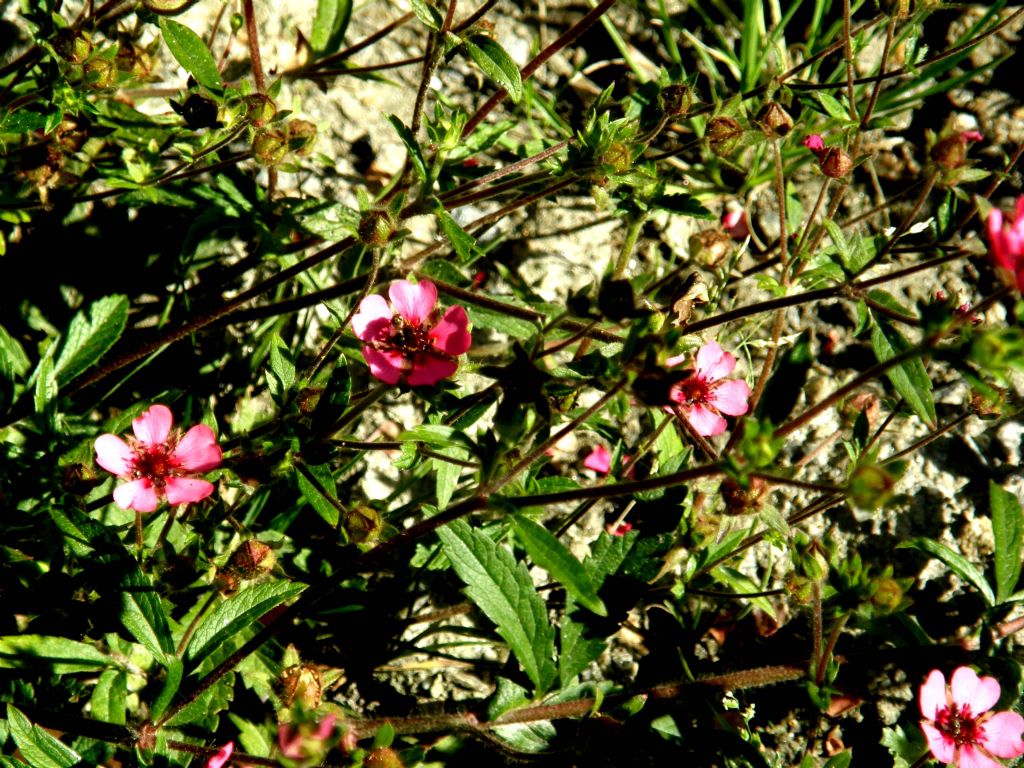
710, 246
301, 682
722, 134
376, 228
270, 146
774, 119
834, 162
253, 558
676, 100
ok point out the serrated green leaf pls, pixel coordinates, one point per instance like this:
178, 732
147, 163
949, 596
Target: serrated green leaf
503, 590
959, 564
577, 651
46, 383
281, 364
496, 64
555, 558
237, 612
329, 25
36, 745
909, 379
189, 50
88, 338
1008, 532
683, 204
448, 474
143, 614
109, 699
14, 363
57, 654
320, 491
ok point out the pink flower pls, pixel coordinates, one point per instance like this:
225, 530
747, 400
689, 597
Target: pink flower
958, 725
734, 222
222, 757
966, 136
299, 742
409, 338
599, 460
618, 530
815, 143
1007, 241
706, 394
159, 462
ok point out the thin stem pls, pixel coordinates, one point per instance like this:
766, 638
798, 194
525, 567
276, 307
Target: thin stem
252, 33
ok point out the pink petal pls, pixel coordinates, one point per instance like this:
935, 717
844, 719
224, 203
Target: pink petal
971, 136
139, 495
414, 302
1019, 212
1003, 734
429, 369
222, 757
154, 425
704, 421
713, 362
734, 222
972, 758
373, 316
187, 490
730, 397
941, 745
450, 335
969, 690
933, 695
326, 726
599, 460
672, 362
114, 455
814, 142
386, 366
198, 450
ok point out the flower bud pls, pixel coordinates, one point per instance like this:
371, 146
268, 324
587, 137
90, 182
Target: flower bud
133, 60
253, 558
270, 146
834, 162
774, 119
723, 134
362, 524
710, 247
99, 72
301, 136
676, 100
376, 228
618, 156
871, 487
72, 46
301, 682
888, 594
383, 757
259, 109
743, 501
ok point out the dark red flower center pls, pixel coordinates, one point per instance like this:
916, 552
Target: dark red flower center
959, 725
155, 462
409, 337
691, 390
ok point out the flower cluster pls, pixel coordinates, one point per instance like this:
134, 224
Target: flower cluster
159, 462
1007, 241
833, 161
409, 339
959, 725
706, 394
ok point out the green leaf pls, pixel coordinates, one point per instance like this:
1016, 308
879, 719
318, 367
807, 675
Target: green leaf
319, 491
14, 363
516, 327
577, 651
427, 14
437, 436
833, 108
909, 379
46, 382
686, 205
555, 558
191, 52
88, 339
281, 365
329, 25
448, 474
38, 747
57, 654
503, 590
959, 564
109, 699
496, 64
413, 146
465, 244
143, 615
1008, 531
175, 671
238, 612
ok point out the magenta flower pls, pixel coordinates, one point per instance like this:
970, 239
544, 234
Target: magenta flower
958, 725
409, 338
222, 757
302, 742
815, 143
599, 460
158, 462
702, 397
1007, 241
734, 222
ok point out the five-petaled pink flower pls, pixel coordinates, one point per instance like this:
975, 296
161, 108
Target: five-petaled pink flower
158, 462
959, 726
409, 338
222, 757
703, 396
1007, 241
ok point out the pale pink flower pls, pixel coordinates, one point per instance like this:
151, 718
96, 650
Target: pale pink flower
299, 742
222, 757
703, 396
409, 338
966, 136
1007, 241
959, 726
159, 462
734, 222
